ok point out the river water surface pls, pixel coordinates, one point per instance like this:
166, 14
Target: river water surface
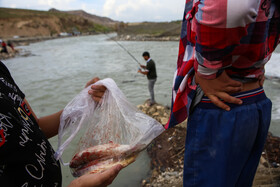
58, 70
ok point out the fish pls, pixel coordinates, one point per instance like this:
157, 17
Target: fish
99, 151
99, 166
101, 157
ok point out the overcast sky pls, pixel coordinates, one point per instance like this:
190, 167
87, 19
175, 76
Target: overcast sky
119, 10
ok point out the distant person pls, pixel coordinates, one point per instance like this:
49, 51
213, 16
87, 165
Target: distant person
151, 73
26, 156
4, 47
11, 45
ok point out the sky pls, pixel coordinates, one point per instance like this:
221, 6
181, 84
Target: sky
119, 10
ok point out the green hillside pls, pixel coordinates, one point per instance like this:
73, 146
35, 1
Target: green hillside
21, 22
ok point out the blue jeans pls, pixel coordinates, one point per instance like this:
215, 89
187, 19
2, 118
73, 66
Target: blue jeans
223, 148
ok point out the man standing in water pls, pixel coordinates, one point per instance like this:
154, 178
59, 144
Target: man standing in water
150, 71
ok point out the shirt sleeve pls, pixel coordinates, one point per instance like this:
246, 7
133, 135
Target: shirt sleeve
5, 74
219, 26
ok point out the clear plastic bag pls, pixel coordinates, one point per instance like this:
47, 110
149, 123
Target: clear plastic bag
113, 122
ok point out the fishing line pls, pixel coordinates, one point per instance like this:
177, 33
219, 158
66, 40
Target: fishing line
125, 50
139, 65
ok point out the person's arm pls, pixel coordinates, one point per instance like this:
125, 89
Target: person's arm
50, 124
97, 180
143, 66
217, 35
143, 72
146, 69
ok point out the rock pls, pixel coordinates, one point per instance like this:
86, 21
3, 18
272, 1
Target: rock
156, 114
152, 110
159, 107
11, 53
140, 107
163, 120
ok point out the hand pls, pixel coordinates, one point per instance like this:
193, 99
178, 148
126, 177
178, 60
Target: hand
220, 88
96, 91
143, 66
97, 180
139, 70
92, 81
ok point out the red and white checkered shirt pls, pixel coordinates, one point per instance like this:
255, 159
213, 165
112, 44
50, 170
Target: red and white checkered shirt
236, 36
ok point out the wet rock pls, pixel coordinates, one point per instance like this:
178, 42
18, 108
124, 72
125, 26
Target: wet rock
11, 53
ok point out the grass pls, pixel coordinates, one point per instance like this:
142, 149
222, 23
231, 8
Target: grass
7, 13
151, 28
66, 21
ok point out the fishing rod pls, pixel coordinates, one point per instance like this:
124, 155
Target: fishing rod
125, 50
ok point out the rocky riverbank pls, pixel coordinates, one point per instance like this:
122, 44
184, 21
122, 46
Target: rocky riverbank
145, 37
167, 155
11, 53
24, 41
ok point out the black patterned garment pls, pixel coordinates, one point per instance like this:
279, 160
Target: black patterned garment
26, 156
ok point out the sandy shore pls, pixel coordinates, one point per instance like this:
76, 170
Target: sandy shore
167, 155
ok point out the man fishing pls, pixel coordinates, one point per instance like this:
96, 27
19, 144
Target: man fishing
151, 73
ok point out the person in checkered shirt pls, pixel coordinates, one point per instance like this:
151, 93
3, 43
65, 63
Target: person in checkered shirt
224, 47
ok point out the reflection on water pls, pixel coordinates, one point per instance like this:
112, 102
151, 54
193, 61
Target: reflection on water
59, 69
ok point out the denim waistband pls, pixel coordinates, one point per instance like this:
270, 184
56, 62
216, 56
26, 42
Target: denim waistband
248, 97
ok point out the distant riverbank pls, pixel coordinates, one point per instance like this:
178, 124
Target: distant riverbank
24, 41
147, 37
18, 42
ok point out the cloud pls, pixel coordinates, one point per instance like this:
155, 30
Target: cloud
120, 10
39, 4
57, 3
144, 10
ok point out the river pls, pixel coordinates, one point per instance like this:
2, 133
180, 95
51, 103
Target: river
57, 70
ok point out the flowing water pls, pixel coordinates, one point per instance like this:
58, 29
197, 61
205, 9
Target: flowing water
58, 70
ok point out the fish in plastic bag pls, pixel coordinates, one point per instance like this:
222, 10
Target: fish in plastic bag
114, 131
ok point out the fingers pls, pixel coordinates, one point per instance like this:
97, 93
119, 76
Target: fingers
226, 98
97, 92
107, 177
231, 89
216, 101
98, 179
92, 81
234, 83
232, 86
